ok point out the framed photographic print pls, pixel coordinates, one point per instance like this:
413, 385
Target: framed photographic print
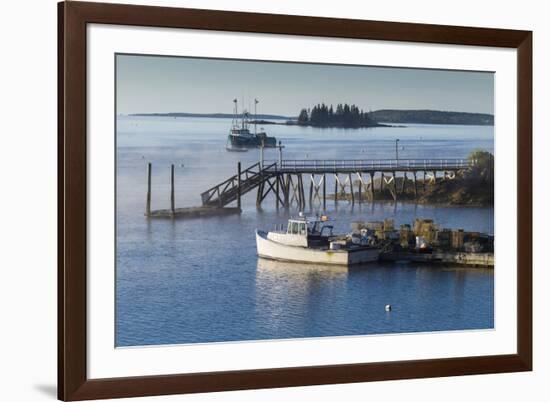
253, 200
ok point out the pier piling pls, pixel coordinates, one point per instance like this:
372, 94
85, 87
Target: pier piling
239, 185
302, 192
277, 190
360, 188
394, 187
371, 186
351, 189
311, 184
172, 196
335, 188
324, 192
148, 202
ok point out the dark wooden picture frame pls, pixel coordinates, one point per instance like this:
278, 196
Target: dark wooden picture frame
73, 383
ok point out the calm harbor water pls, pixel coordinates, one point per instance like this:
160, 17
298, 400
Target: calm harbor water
199, 280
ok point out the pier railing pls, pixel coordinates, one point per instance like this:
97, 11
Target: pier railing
357, 165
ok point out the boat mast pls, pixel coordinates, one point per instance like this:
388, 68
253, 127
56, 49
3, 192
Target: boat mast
256, 101
244, 114
235, 111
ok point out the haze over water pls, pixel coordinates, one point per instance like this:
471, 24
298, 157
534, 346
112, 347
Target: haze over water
199, 280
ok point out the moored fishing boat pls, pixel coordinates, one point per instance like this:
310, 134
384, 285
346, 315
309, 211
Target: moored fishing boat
240, 137
310, 240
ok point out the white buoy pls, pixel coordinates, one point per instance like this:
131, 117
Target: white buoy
388, 307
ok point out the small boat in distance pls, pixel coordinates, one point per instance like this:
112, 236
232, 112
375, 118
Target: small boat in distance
310, 240
240, 138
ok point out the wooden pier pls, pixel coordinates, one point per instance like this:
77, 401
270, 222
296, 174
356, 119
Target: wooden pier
287, 180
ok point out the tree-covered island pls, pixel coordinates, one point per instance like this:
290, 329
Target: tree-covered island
344, 115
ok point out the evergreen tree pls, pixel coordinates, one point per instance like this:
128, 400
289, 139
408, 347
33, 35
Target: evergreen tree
344, 115
303, 116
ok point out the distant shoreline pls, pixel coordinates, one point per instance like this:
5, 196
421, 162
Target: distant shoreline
210, 115
394, 116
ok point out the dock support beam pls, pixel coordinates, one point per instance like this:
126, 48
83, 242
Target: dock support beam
148, 202
415, 189
424, 183
335, 188
172, 197
311, 184
324, 192
277, 190
351, 189
372, 186
360, 188
302, 192
239, 185
394, 187
259, 196
287, 190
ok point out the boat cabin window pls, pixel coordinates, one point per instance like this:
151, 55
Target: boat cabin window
297, 228
292, 227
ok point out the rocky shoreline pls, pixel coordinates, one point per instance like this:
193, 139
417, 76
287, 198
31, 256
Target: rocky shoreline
460, 191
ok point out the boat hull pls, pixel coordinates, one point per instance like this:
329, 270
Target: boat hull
276, 251
253, 141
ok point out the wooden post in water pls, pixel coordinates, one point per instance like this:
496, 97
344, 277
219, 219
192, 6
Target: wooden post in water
277, 178
172, 199
324, 192
260, 193
360, 188
302, 192
335, 188
394, 187
424, 183
148, 203
372, 186
311, 189
239, 185
415, 190
286, 190
351, 189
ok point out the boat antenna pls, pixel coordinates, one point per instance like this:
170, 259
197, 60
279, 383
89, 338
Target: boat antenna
244, 116
234, 113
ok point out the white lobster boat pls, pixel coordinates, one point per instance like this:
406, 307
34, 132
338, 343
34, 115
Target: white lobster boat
308, 240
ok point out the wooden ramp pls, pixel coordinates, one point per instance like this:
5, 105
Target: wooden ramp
236, 186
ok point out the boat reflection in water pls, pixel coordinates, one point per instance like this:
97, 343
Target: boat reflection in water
290, 297
281, 270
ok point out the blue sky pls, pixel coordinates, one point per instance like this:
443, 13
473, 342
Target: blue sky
157, 84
